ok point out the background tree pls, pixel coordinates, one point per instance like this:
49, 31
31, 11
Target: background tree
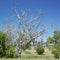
50, 40
55, 40
56, 36
11, 34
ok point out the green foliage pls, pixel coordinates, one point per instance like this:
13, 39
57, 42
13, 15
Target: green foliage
10, 51
55, 38
56, 35
39, 50
6, 50
56, 53
56, 43
50, 40
54, 50
1, 51
2, 43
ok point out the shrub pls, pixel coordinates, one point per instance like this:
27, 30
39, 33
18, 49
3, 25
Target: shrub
10, 52
1, 51
39, 50
54, 50
2, 43
56, 53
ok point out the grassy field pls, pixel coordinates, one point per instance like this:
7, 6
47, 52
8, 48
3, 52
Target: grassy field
32, 55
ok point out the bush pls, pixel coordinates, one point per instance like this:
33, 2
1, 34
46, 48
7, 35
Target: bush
39, 50
10, 52
53, 51
56, 53
1, 51
2, 43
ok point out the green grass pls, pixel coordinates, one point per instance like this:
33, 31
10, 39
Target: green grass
28, 59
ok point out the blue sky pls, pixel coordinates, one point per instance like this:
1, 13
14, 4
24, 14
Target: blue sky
50, 8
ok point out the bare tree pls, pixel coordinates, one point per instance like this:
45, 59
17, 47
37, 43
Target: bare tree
28, 28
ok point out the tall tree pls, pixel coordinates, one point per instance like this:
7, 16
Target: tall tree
28, 28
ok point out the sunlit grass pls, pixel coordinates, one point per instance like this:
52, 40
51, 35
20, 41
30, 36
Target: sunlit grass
28, 59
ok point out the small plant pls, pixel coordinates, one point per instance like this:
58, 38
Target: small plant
39, 50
